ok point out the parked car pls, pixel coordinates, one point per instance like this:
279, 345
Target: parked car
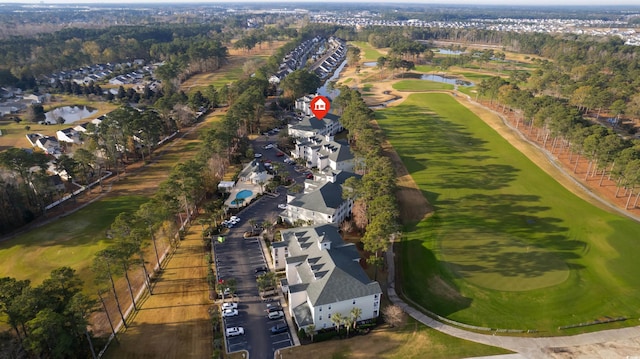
282, 206
279, 154
235, 331
309, 175
229, 313
226, 306
274, 308
257, 155
261, 270
269, 146
280, 328
275, 315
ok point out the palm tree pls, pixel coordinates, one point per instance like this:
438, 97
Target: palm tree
337, 319
348, 321
310, 330
355, 314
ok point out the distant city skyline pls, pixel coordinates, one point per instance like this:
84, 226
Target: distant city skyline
555, 3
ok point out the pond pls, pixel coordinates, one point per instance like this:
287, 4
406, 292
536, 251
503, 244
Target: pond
70, 114
448, 52
446, 80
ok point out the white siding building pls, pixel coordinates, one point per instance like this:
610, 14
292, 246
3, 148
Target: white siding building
310, 126
324, 276
324, 153
321, 202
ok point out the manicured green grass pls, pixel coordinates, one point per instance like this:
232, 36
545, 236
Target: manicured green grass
507, 247
421, 85
70, 241
368, 52
476, 77
425, 68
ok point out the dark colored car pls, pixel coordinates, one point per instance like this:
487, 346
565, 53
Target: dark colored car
280, 328
279, 154
261, 270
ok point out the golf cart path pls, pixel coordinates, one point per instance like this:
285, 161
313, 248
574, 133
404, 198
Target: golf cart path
610, 344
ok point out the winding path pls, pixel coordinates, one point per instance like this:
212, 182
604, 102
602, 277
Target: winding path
531, 348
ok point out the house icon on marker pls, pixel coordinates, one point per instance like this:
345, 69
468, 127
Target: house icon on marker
320, 105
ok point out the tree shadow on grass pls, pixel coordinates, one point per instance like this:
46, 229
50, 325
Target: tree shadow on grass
423, 282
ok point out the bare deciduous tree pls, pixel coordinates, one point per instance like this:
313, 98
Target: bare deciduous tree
393, 315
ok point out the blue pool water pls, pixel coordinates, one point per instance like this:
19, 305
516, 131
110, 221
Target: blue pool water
245, 193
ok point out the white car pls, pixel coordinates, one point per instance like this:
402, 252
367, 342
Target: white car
282, 206
229, 313
257, 155
226, 306
269, 146
275, 315
235, 331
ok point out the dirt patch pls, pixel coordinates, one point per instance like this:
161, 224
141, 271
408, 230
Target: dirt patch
619, 349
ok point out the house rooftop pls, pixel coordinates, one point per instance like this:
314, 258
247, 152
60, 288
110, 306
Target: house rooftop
328, 267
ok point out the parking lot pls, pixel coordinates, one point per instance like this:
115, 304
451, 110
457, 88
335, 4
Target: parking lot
238, 258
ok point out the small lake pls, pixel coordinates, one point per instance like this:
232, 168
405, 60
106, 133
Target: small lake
446, 80
448, 52
69, 113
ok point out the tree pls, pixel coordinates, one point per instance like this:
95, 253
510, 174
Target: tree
310, 330
35, 113
10, 290
393, 315
337, 319
104, 271
355, 313
300, 82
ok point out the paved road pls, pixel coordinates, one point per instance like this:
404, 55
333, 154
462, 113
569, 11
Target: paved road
238, 257
531, 348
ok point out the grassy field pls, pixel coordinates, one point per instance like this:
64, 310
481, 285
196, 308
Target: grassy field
71, 241
368, 52
507, 247
421, 85
413, 340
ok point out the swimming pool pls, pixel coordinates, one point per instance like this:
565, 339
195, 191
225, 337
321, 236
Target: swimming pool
245, 193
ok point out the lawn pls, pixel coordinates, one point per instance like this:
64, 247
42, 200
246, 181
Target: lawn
368, 52
508, 247
70, 241
421, 85
413, 340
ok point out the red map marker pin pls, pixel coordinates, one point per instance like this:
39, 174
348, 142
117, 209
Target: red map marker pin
320, 106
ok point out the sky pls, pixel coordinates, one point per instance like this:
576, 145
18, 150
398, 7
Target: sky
636, 3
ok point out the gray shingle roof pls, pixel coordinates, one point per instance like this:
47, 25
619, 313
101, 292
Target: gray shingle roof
325, 199
329, 275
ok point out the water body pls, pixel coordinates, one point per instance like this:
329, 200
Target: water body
324, 91
446, 80
448, 52
69, 113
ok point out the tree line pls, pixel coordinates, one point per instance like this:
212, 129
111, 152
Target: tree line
49, 320
561, 126
375, 208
